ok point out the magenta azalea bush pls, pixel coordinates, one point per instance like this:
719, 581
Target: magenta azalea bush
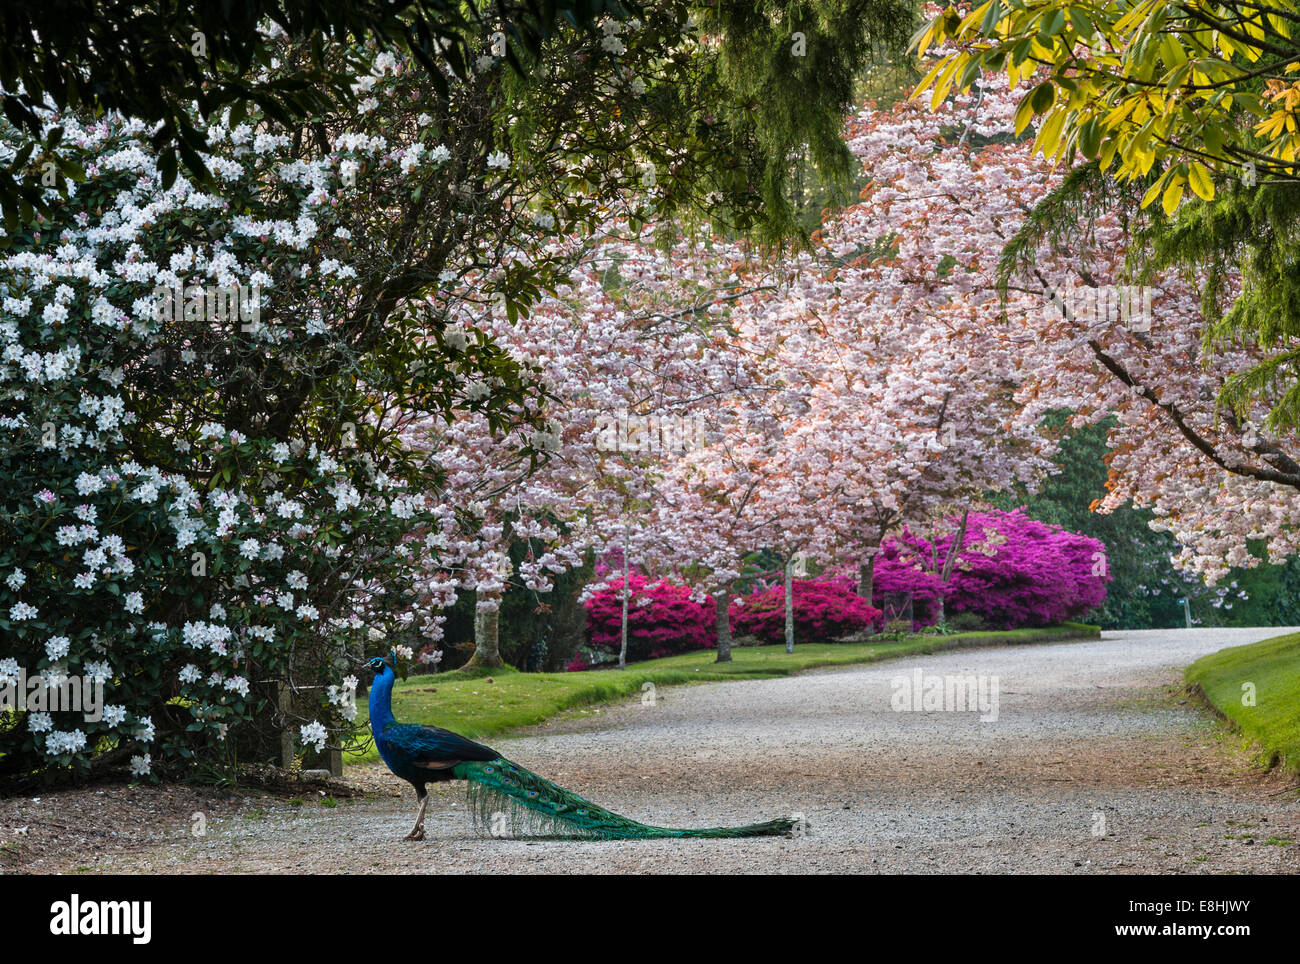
824, 609
662, 620
1013, 571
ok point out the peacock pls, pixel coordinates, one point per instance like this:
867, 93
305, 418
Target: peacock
498, 788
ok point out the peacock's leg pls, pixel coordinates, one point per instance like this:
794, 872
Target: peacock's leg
417, 832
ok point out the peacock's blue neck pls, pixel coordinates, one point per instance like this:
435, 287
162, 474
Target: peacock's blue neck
381, 702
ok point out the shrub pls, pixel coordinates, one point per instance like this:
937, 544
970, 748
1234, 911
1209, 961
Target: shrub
539, 631
897, 629
196, 508
1013, 571
824, 610
966, 622
662, 619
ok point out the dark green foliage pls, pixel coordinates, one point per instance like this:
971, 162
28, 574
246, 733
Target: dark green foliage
791, 92
1247, 235
1059, 219
538, 632
1136, 555
1147, 591
966, 622
1243, 247
151, 60
740, 108
897, 629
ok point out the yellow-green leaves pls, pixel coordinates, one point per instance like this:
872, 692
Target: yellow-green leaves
1171, 185
1139, 85
1079, 20
1201, 181
1042, 97
944, 76
1173, 193
1024, 114
1049, 135
1090, 138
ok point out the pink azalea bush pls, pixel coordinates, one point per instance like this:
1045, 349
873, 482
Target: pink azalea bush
1013, 571
662, 619
824, 610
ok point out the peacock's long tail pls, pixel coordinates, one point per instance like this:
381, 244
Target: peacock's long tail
504, 795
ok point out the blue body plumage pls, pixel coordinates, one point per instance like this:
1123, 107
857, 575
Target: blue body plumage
420, 755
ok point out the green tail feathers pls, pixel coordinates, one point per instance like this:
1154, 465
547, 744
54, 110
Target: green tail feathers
504, 797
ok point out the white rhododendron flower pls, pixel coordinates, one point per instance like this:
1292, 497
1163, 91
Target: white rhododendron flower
314, 734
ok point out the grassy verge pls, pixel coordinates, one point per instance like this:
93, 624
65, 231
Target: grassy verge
1273, 667
469, 704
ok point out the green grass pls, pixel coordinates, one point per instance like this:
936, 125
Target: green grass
469, 704
1273, 666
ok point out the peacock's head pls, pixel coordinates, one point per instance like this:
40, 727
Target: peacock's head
390, 667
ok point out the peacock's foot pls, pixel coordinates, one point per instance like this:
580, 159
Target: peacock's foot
416, 834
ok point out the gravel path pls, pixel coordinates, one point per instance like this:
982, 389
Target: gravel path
1097, 762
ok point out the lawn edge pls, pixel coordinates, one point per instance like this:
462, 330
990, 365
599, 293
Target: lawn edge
1272, 757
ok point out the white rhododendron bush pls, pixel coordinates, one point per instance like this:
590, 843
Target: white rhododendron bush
214, 512
175, 560
199, 510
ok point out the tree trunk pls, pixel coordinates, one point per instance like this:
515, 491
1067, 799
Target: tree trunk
486, 651
789, 606
622, 649
954, 550
866, 568
722, 599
